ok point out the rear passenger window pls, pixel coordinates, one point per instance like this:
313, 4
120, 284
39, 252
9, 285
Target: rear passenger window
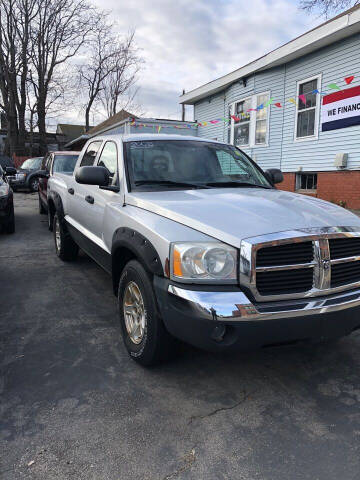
108, 159
90, 154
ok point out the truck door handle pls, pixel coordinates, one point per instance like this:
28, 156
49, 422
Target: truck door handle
71, 191
89, 199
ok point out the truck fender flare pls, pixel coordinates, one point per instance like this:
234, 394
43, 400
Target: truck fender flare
56, 199
129, 240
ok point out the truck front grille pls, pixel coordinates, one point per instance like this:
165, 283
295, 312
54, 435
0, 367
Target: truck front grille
345, 273
284, 281
307, 265
344, 247
287, 254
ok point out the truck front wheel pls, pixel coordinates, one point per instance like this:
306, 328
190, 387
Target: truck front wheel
144, 334
65, 247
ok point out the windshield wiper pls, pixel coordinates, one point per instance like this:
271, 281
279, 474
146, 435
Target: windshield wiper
234, 183
171, 182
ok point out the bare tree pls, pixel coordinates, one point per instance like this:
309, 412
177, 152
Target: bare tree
59, 31
97, 67
16, 17
118, 91
327, 8
110, 71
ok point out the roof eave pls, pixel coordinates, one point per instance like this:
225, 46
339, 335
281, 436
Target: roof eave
319, 37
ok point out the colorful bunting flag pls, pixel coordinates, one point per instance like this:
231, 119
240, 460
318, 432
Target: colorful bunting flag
237, 118
303, 98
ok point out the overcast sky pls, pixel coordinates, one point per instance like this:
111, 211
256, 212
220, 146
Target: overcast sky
186, 43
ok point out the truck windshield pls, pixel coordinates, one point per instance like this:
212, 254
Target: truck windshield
165, 164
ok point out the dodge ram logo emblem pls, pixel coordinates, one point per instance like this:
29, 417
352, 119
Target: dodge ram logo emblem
326, 264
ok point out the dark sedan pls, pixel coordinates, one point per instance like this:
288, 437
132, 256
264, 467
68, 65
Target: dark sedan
25, 176
7, 217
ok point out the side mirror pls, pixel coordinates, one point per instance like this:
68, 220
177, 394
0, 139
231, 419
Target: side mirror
42, 174
92, 176
10, 171
274, 175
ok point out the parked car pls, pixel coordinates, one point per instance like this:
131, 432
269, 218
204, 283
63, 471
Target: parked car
53, 162
5, 161
26, 175
7, 216
202, 247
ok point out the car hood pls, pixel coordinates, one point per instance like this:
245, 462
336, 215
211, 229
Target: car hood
233, 214
26, 170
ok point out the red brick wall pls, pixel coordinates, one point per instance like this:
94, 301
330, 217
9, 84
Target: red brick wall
289, 182
18, 161
335, 187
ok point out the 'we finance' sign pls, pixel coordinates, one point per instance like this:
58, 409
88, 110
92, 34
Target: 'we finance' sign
341, 109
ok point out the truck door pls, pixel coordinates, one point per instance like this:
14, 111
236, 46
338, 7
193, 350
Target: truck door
80, 211
45, 166
107, 158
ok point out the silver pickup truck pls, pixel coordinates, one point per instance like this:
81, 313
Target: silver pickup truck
203, 248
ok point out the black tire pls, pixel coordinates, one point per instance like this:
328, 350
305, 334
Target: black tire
10, 226
42, 210
65, 247
50, 220
34, 184
156, 344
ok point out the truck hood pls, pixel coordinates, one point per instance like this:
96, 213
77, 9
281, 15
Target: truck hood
233, 214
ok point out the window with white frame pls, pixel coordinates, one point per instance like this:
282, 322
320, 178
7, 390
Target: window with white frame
307, 111
249, 128
306, 181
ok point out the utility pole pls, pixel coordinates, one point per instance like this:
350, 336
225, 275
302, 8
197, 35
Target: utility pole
183, 110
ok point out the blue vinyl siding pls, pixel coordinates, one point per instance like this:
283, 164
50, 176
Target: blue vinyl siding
333, 63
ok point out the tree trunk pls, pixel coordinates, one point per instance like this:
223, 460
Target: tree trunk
87, 117
41, 114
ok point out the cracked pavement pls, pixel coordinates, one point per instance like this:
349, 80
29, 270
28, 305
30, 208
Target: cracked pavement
73, 405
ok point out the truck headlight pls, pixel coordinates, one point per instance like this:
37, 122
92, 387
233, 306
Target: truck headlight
21, 176
213, 262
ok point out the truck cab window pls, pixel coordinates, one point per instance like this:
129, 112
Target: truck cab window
90, 154
108, 159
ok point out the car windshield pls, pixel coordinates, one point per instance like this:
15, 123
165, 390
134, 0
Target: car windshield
165, 164
64, 163
32, 163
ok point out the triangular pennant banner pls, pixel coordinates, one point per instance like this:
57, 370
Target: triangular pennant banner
333, 86
348, 80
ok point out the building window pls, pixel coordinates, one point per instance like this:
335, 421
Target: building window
306, 181
249, 128
307, 113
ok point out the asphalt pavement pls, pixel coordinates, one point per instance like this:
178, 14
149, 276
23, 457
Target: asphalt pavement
73, 405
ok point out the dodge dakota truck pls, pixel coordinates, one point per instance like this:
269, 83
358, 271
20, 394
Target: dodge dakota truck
203, 248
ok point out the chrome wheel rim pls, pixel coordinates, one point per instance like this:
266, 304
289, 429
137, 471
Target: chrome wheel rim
35, 184
57, 235
134, 313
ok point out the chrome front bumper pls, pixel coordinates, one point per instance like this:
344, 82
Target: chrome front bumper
236, 306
